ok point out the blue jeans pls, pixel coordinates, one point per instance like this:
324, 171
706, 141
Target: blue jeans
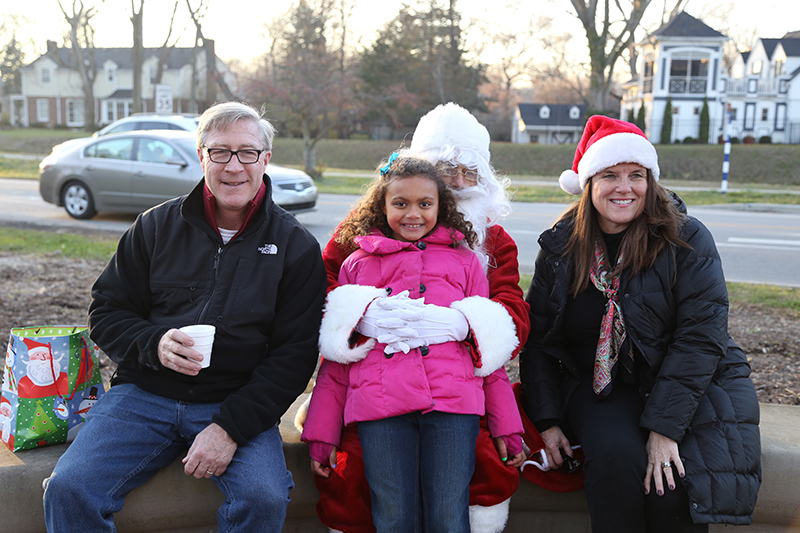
129, 435
418, 467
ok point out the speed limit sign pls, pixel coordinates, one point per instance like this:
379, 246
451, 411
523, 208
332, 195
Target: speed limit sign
163, 98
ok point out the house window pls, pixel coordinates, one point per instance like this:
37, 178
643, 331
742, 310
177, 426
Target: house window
733, 115
111, 75
756, 68
43, 110
647, 77
764, 115
574, 113
778, 67
75, 113
544, 112
688, 73
534, 139
152, 72
780, 117
675, 110
45, 76
696, 110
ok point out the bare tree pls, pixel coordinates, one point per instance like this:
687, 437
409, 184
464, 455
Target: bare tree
137, 53
517, 51
213, 77
609, 33
165, 49
81, 39
305, 81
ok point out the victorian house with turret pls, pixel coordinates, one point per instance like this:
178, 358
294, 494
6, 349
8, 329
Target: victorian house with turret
680, 67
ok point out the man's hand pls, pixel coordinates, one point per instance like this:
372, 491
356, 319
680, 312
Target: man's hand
175, 353
210, 453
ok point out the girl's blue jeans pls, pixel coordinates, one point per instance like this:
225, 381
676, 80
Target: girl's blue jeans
418, 467
130, 434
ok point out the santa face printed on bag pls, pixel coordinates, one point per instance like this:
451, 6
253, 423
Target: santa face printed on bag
44, 377
5, 421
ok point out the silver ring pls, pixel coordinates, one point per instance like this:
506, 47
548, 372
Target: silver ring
209, 472
666, 464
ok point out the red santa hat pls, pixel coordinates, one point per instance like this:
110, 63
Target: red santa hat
5, 403
607, 142
37, 348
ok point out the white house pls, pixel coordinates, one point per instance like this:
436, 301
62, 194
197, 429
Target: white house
681, 62
764, 91
548, 123
52, 92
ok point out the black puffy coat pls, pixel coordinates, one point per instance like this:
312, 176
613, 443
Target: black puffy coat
695, 379
263, 291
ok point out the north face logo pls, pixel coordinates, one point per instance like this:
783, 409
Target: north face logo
268, 249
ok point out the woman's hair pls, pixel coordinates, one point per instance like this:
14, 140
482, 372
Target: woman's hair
369, 212
657, 227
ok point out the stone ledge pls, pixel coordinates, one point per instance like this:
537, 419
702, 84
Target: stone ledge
173, 502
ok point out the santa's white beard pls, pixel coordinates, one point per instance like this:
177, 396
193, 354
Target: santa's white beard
5, 428
473, 204
40, 372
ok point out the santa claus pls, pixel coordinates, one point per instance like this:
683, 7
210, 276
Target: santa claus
44, 377
453, 140
5, 423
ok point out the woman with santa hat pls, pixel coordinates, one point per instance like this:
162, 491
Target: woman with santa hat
452, 139
629, 351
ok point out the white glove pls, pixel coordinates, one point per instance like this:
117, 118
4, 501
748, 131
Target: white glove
439, 324
387, 320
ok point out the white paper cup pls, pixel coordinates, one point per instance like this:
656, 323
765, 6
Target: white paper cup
203, 337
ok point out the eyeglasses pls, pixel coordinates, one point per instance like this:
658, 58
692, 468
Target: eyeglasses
451, 172
245, 157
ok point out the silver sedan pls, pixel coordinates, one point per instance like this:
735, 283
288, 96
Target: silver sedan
131, 172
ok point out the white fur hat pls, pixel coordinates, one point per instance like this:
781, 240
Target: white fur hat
450, 128
607, 142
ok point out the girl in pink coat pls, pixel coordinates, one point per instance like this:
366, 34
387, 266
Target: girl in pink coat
417, 409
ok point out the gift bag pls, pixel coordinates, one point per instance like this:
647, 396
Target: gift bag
51, 380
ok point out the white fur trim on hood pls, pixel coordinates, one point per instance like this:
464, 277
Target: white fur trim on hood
493, 330
344, 307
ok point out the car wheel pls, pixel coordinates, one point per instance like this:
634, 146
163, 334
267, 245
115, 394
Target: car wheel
78, 200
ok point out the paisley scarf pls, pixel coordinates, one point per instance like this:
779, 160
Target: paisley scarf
612, 328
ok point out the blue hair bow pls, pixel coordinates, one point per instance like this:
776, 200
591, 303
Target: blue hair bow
385, 168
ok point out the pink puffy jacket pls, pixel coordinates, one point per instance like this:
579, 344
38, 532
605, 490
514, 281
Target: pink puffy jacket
357, 383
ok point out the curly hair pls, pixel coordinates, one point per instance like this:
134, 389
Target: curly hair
368, 213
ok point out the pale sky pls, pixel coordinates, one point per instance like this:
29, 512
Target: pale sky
237, 26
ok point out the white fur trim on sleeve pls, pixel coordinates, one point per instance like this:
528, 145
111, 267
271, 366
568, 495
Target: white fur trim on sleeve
493, 329
344, 307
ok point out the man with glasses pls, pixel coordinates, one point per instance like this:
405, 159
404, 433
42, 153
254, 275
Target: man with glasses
224, 255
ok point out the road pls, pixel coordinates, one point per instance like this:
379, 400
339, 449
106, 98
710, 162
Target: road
755, 246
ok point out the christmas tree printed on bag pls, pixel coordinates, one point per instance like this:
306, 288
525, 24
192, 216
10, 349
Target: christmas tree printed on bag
37, 426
